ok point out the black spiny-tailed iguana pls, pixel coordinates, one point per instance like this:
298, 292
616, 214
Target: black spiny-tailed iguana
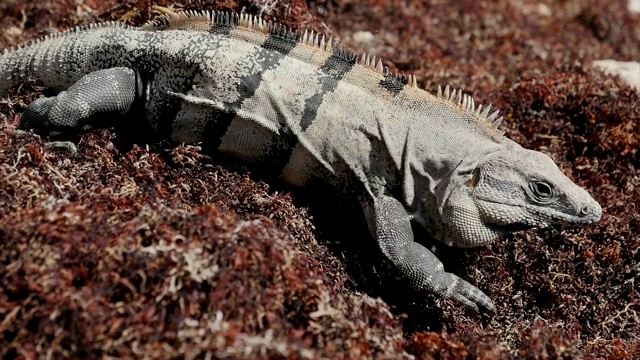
315, 112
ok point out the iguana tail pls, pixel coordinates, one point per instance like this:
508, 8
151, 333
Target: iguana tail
57, 60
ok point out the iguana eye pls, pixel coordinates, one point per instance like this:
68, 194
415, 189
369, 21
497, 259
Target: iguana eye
542, 190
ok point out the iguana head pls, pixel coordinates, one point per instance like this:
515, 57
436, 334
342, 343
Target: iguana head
508, 190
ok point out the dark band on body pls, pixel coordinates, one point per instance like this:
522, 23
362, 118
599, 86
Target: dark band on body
393, 83
335, 68
275, 48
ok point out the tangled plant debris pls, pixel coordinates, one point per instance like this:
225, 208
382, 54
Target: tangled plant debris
132, 251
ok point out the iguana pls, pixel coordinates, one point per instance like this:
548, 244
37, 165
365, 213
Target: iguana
316, 113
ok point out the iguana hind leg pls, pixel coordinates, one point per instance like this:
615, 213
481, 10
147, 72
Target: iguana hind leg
391, 227
97, 100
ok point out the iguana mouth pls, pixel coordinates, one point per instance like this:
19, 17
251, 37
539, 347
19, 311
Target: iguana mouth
515, 227
564, 219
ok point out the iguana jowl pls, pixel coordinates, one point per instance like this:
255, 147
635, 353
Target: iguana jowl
315, 112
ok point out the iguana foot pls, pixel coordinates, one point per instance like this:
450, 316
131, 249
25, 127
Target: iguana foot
100, 95
391, 227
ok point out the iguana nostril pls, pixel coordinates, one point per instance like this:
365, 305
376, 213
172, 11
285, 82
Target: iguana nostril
586, 210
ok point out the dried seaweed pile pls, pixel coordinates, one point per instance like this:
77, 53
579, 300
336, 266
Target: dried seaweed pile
166, 253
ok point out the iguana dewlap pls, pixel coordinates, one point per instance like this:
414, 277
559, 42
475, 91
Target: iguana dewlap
313, 112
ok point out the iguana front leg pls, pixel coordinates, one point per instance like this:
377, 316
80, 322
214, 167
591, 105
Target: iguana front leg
97, 100
390, 226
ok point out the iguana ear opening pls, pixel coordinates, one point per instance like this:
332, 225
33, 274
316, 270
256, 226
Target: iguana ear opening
474, 179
